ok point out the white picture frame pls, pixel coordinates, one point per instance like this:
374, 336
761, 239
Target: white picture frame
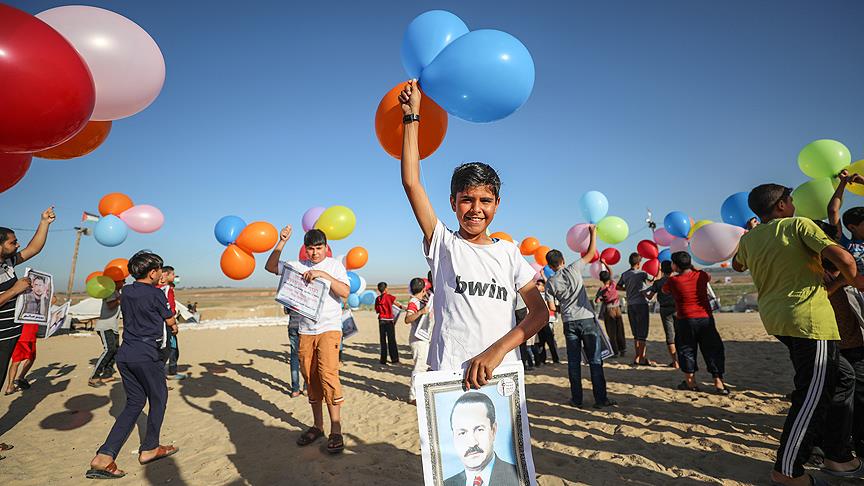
300, 297
57, 320
34, 305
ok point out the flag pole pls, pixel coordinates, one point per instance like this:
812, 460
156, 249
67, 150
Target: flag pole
79, 231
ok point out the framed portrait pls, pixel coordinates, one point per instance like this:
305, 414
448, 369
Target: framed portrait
300, 297
34, 305
397, 311
475, 436
57, 320
349, 327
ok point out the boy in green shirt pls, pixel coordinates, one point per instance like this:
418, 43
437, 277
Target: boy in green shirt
784, 256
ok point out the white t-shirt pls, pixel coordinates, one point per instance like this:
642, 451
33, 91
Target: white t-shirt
475, 296
416, 305
331, 313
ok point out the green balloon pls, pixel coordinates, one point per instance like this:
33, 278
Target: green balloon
612, 230
811, 198
823, 158
100, 287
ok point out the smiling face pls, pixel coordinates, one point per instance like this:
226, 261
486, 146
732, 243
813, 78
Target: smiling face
473, 435
475, 208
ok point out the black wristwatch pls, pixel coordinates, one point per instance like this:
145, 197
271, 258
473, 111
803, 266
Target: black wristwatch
410, 118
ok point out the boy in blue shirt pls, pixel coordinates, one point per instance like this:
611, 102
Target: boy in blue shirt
145, 315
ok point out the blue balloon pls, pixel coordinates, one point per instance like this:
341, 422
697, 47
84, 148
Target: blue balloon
677, 224
367, 297
594, 206
483, 76
110, 231
548, 272
353, 301
353, 282
665, 255
426, 36
736, 211
228, 228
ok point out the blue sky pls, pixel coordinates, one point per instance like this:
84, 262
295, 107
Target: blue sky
268, 110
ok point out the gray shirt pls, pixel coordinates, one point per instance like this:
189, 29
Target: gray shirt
568, 287
666, 301
635, 282
109, 319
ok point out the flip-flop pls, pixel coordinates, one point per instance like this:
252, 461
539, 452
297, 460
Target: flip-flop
95, 384
161, 453
814, 481
683, 386
335, 444
6, 447
311, 435
856, 473
110, 472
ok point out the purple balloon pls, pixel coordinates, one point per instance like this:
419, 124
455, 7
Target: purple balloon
310, 217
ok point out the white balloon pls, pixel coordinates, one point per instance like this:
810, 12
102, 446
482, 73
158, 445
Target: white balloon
362, 286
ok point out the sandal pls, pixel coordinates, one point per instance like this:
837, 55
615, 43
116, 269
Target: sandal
310, 436
110, 472
14, 390
23, 384
95, 383
295, 394
335, 444
161, 453
5, 447
684, 386
721, 391
855, 473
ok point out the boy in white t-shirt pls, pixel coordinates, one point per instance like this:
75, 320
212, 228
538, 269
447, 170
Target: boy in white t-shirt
475, 277
417, 315
319, 340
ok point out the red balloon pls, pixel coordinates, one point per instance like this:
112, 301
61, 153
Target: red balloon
647, 249
594, 258
12, 166
611, 256
651, 267
304, 256
47, 94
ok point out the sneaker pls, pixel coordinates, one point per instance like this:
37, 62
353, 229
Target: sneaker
607, 403
178, 376
575, 404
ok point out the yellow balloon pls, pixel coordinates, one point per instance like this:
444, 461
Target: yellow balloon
697, 225
856, 168
337, 222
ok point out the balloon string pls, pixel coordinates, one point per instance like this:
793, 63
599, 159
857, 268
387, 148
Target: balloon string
50, 230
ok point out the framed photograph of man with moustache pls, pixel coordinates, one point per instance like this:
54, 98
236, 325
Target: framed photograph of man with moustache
34, 305
475, 437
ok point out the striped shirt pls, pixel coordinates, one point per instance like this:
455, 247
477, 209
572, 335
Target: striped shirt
8, 328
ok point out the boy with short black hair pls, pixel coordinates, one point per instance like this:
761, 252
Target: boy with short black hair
417, 315
386, 323
667, 309
319, 339
783, 255
475, 277
145, 314
108, 328
166, 284
635, 281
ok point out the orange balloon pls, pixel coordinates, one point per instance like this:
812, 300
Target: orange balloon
724, 265
356, 258
529, 245
114, 273
501, 236
257, 237
121, 263
114, 203
84, 142
389, 127
540, 255
237, 263
92, 275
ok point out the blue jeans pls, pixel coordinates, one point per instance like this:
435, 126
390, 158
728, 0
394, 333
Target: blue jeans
584, 334
294, 340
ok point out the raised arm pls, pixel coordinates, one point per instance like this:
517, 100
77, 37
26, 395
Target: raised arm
272, 264
592, 246
38, 241
410, 99
836, 201
844, 262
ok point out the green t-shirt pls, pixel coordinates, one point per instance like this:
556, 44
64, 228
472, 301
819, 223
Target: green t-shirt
784, 259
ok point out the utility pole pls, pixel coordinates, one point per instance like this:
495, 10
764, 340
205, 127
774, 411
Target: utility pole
79, 231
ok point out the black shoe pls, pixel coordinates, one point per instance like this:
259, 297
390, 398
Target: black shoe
607, 403
575, 404
23, 384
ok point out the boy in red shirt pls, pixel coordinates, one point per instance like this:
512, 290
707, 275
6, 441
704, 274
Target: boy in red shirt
694, 323
387, 323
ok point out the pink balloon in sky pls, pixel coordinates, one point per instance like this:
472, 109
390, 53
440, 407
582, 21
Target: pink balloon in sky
310, 217
662, 237
678, 244
143, 218
578, 238
716, 242
127, 66
595, 269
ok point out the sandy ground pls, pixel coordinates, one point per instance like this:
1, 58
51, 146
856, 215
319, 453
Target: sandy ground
236, 424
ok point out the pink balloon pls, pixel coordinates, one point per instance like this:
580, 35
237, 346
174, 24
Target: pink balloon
678, 244
662, 237
127, 66
310, 217
578, 238
595, 269
538, 268
716, 242
143, 218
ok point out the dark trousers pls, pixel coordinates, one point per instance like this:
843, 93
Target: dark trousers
105, 363
855, 357
6, 348
817, 369
546, 337
173, 354
387, 334
692, 335
144, 382
614, 322
294, 358
583, 334
527, 356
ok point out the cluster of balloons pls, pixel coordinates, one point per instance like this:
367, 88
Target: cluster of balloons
337, 222
479, 76
355, 259
610, 229
102, 284
68, 72
706, 241
649, 250
119, 215
822, 160
242, 241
